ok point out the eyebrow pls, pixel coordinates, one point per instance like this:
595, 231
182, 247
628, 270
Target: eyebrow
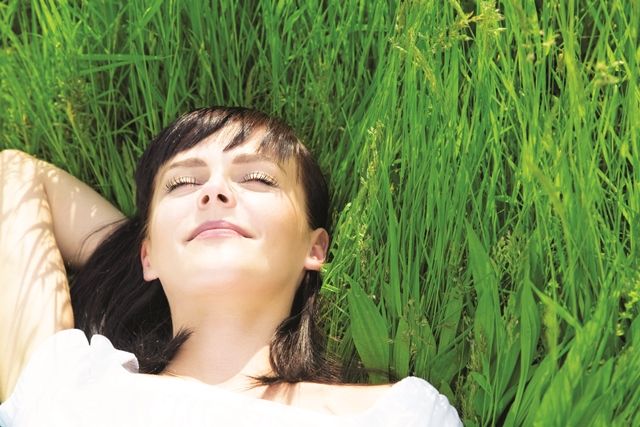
256, 157
192, 162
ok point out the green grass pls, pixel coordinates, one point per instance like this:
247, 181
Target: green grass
484, 157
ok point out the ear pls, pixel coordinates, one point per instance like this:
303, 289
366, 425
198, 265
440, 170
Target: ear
145, 258
318, 250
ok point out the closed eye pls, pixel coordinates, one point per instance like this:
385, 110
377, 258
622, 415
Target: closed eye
261, 177
180, 181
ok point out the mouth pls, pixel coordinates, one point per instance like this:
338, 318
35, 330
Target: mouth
212, 229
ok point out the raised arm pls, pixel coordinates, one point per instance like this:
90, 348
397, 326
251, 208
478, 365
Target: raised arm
46, 216
81, 217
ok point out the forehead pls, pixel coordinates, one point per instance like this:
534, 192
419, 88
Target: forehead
223, 141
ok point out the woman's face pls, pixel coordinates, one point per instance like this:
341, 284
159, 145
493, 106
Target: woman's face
230, 223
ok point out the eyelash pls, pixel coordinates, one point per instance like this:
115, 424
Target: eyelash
179, 182
189, 180
262, 177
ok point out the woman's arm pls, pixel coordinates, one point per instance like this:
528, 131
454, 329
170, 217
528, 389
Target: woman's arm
46, 216
81, 217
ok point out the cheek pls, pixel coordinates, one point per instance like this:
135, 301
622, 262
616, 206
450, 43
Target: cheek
285, 224
281, 210
164, 221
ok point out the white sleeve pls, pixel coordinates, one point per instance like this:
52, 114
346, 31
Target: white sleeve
413, 402
434, 408
51, 360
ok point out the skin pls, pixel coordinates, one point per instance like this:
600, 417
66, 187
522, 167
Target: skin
232, 291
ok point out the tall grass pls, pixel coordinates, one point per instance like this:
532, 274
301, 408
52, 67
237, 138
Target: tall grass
484, 157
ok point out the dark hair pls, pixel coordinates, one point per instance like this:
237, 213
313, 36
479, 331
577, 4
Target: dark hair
110, 296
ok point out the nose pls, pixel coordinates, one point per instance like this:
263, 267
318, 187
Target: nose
217, 192
206, 198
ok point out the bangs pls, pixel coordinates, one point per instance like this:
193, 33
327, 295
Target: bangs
278, 140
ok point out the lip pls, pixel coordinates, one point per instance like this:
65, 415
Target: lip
226, 229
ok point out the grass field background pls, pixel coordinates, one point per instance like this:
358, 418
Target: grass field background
484, 159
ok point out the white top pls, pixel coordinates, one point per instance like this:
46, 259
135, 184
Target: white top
71, 382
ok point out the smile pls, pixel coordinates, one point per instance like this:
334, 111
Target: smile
212, 229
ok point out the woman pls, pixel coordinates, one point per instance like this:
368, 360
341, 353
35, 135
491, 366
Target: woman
202, 307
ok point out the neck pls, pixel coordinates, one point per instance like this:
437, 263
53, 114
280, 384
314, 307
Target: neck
228, 346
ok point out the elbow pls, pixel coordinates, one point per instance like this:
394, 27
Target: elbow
10, 155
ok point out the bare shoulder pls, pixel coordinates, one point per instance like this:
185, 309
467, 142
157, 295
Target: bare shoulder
340, 399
